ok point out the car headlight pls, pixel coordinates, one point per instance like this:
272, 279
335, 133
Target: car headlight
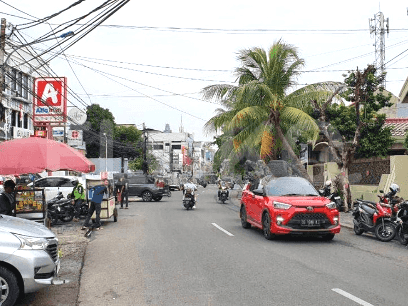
280, 205
331, 205
32, 243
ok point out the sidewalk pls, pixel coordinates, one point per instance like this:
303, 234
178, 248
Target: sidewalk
346, 219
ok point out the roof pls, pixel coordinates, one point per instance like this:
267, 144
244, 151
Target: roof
400, 126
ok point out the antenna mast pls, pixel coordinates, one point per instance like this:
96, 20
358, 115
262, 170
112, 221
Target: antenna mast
378, 31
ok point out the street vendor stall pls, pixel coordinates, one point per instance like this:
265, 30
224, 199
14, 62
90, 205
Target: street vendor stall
108, 205
30, 204
34, 155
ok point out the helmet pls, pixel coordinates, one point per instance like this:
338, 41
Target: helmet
74, 181
394, 188
328, 183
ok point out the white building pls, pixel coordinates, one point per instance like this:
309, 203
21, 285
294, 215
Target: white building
178, 152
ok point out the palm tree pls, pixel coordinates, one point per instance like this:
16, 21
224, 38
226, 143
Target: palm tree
259, 110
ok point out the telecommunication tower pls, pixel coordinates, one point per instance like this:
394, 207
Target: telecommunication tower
377, 30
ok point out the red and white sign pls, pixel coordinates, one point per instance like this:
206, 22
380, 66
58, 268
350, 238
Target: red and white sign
50, 100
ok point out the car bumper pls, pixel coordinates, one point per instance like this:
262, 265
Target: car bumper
284, 230
37, 268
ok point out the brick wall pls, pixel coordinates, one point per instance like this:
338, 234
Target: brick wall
368, 171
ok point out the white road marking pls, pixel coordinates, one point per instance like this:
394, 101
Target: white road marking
352, 297
221, 229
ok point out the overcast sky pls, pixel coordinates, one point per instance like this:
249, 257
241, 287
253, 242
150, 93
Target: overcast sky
166, 52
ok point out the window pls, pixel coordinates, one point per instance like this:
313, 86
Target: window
176, 147
13, 85
137, 180
13, 118
25, 87
157, 147
20, 84
63, 182
25, 121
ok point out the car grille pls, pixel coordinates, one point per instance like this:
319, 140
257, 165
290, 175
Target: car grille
296, 221
52, 249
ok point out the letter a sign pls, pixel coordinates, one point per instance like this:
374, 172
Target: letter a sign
50, 101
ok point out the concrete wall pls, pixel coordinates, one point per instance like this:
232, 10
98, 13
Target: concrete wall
114, 164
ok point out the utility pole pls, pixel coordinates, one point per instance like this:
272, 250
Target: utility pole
377, 29
145, 165
2, 76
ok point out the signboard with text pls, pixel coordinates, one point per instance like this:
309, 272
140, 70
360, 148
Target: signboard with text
50, 100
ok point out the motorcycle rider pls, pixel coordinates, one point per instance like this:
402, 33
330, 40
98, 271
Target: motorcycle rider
222, 185
193, 187
78, 196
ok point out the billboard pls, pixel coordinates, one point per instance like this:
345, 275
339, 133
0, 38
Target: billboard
50, 100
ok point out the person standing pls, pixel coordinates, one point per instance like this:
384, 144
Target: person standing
125, 192
97, 193
7, 198
78, 196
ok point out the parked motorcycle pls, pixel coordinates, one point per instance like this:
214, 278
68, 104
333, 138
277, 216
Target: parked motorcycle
332, 196
83, 209
376, 217
188, 198
59, 208
402, 223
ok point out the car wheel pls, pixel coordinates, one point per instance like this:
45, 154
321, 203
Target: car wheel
266, 227
243, 216
385, 232
147, 196
358, 230
9, 287
328, 237
157, 199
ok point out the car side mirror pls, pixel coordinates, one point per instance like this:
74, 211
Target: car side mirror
258, 192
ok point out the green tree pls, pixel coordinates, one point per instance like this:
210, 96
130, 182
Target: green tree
137, 163
258, 111
96, 116
358, 125
127, 142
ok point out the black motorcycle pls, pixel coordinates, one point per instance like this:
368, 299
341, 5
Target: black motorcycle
188, 198
59, 208
223, 195
402, 223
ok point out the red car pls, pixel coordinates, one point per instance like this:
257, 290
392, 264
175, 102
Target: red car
288, 205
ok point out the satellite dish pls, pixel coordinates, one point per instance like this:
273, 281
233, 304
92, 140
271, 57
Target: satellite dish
77, 115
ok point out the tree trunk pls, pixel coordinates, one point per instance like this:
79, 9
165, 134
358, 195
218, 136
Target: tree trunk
292, 154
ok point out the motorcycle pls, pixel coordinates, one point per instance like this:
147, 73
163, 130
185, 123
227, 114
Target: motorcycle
59, 208
332, 196
223, 194
376, 217
83, 209
188, 198
402, 223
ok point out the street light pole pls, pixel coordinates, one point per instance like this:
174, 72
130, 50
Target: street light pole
106, 152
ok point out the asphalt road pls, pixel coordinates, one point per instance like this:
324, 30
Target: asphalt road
160, 254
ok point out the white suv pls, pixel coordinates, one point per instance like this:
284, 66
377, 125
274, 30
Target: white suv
54, 184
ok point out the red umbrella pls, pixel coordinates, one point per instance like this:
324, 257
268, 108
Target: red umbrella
35, 154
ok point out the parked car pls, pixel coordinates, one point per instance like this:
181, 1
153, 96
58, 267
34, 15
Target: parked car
144, 186
28, 258
288, 205
53, 184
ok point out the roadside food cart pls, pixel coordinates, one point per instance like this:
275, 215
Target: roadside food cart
30, 204
108, 205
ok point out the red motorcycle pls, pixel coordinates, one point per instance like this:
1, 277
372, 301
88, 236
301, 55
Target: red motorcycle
376, 217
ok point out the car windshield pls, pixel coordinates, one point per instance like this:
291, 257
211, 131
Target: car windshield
290, 186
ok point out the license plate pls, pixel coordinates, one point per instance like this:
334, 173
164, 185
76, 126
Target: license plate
310, 222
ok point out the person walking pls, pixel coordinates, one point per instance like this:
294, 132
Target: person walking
124, 192
97, 193
7, 198
78, 196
